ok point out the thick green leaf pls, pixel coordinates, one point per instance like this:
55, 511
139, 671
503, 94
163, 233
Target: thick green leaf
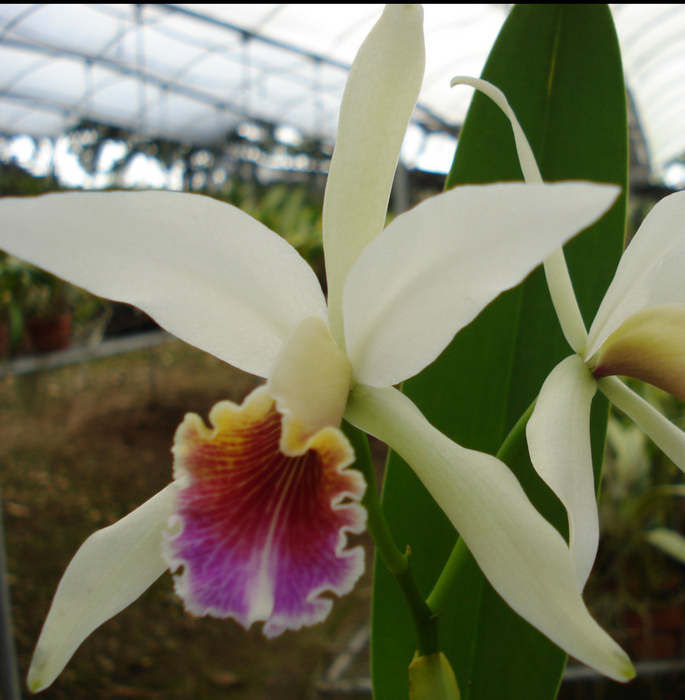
559, 66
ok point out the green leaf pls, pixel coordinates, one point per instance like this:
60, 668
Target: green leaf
560, 67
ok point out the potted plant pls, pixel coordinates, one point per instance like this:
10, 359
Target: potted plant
15, 279
40, 312
47, 308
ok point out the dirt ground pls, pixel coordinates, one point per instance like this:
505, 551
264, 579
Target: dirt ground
82, 446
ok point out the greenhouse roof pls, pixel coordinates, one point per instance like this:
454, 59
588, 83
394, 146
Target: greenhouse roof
195, 72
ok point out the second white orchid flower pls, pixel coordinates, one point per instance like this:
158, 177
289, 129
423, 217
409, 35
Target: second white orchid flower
258, 514
639, 331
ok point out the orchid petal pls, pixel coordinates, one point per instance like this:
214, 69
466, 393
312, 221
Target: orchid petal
648, 273
558, 436
203, 269
262, 535
381, 93
310, 383
435, 268
669, 438
669, 282
112, 568
521, 554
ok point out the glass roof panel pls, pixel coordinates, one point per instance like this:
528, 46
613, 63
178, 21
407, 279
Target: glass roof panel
193, 72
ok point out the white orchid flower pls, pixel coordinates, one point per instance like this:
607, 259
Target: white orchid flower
639, 331
258, 513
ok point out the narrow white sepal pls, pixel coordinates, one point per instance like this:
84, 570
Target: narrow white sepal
564, 300
668, 437
529, 166
522, 555
112, 568
379, 99
556, 271
204, 270
558, 435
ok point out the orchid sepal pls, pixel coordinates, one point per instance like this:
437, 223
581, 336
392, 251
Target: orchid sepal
556, 270
522, 555
112, 568
379, 99
565, 399
667, 436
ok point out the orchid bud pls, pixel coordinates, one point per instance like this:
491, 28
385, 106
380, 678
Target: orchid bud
431, 678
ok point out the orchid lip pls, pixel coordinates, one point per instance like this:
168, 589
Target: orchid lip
648, 345
262, 534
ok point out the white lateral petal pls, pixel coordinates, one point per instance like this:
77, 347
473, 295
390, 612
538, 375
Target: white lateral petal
669, 438
645, 276
521, 554
434, 269
112, 568
203, 269
558, 436
380, 96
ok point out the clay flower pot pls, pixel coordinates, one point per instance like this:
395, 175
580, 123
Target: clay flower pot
49, 334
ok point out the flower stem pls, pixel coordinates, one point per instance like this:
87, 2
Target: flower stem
377, 525
425, 622
460, 553
448, 577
